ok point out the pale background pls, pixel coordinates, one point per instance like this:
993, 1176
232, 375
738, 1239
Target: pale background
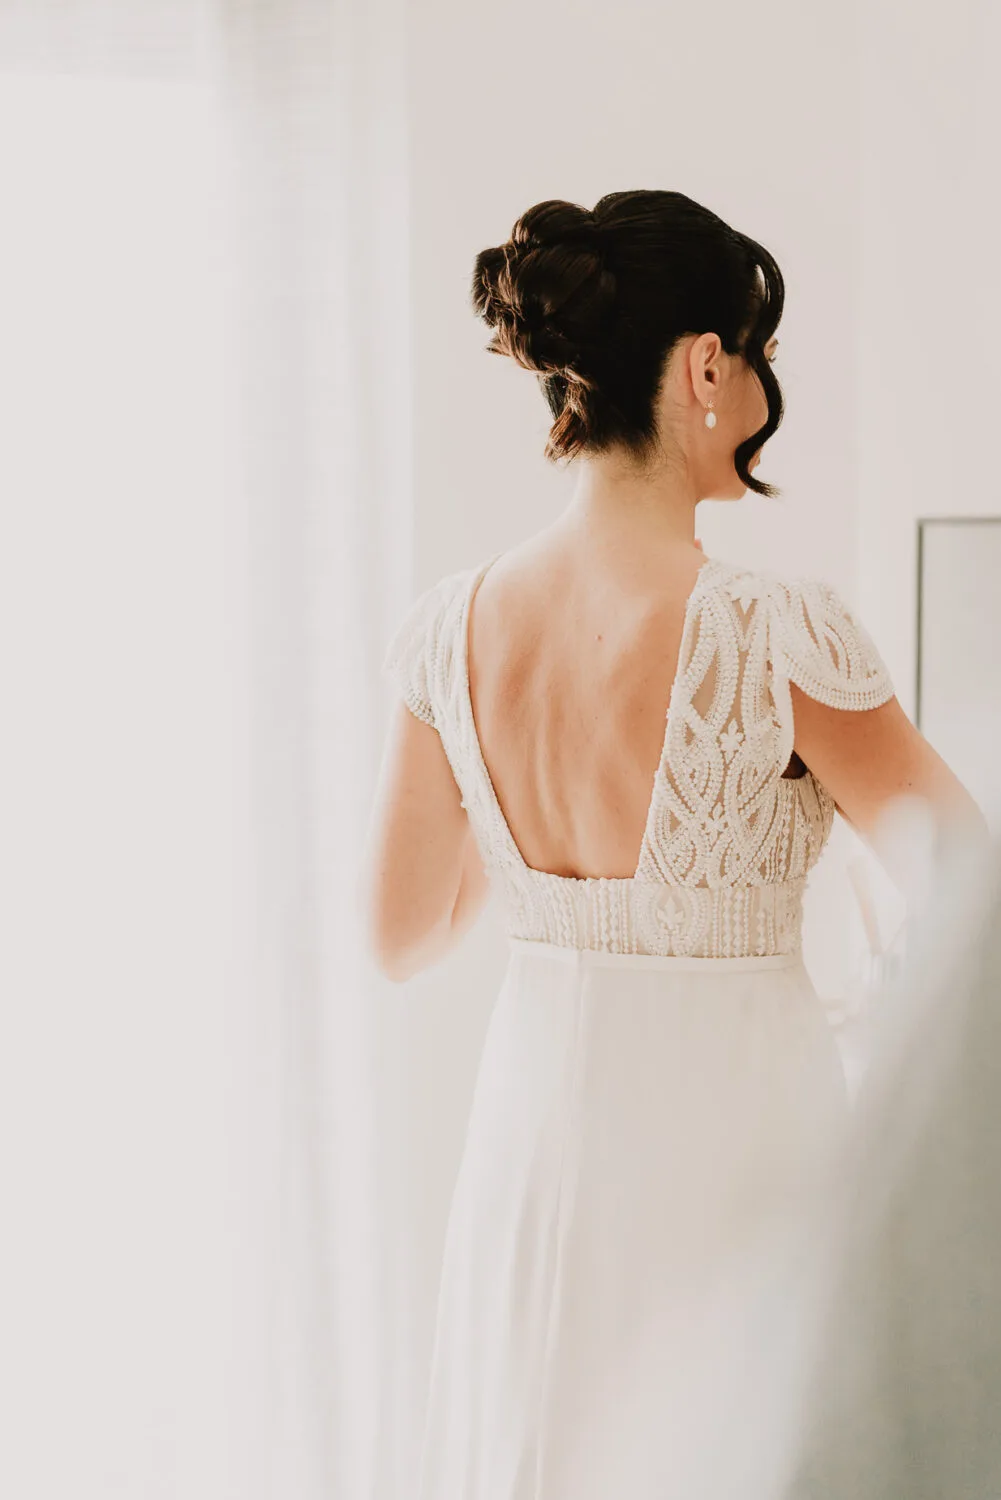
248, 416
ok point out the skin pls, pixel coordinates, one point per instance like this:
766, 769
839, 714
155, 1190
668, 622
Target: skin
572, 739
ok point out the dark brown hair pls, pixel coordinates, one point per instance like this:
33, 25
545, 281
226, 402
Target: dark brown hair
594, 300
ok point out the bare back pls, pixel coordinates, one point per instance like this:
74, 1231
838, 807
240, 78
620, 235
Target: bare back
622, 737
571, 662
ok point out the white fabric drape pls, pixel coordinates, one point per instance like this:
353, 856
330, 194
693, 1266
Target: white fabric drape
900, 1394
206, 471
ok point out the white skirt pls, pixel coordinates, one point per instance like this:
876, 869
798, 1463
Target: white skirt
626, 1294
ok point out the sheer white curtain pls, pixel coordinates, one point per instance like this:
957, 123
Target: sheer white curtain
207, 535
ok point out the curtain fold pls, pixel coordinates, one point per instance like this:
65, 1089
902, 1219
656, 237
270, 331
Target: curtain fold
250, 476
313, 105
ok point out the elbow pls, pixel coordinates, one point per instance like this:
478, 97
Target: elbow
400, 938
394, 954
393, 966
386, 947
399, 961
959, 818
964, 824
391, 959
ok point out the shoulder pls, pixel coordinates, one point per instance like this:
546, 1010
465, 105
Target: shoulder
427, 608
421, 646
816, 638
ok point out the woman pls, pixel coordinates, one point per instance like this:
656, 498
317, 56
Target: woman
641, 751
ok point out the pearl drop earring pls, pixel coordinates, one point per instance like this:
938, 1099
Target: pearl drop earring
710, 416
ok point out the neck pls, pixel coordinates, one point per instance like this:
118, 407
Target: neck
656, 512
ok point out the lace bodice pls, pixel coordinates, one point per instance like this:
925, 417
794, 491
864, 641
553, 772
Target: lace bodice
729, 842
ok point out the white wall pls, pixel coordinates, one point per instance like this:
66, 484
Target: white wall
930, 310
929, 315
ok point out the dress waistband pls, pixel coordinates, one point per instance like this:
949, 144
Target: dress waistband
595, 957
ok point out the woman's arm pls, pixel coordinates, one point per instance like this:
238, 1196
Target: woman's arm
868, 758
423, 884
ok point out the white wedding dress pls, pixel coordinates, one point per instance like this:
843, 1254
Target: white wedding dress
660, 1094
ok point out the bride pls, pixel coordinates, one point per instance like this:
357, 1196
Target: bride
640, 752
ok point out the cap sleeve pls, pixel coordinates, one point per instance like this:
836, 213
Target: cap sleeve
419, 656
407, 657
822, 646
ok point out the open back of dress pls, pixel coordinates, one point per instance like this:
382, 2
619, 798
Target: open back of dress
729, 840
628, 1284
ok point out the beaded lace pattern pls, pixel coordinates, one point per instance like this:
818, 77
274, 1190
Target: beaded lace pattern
729, 841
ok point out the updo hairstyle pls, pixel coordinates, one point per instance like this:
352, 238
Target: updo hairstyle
594, 300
